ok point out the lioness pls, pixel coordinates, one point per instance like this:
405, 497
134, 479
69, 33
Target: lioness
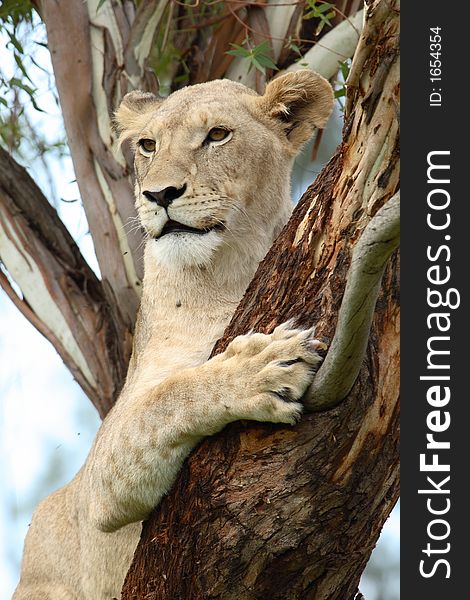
212, 165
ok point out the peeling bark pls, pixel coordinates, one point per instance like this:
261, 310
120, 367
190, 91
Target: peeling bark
263, 511
343, 362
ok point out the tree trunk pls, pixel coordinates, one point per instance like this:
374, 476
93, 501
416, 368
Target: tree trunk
263, 511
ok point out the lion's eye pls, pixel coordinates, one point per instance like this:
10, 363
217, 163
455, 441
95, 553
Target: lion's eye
147, 146
218, 134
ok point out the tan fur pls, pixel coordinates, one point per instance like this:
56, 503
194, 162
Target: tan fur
82, 537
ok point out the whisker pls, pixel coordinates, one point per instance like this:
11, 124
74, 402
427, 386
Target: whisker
225, 241
134, 228
131, 225
146, 236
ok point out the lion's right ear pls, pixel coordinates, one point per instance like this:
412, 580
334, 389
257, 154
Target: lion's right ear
133, 112
298, 102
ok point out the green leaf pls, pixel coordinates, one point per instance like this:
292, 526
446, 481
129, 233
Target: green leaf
295, 48
315, 10
21, 66
258, 66
16, 11
344, 66
266, 62
323, 8
100, 4
33, 102
258, 56
261, 48
239, 51
15, 42
15, 82
340, 93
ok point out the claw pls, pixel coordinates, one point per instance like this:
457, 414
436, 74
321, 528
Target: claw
288, 363
317, 345
286, 394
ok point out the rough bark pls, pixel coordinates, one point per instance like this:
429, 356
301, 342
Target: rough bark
261, 511
339, 371
61, 296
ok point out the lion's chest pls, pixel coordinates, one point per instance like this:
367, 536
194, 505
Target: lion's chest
179, 341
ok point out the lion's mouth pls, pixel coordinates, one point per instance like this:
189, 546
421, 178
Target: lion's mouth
177, 227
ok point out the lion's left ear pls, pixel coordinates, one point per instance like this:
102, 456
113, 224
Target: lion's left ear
300, 101
133, 112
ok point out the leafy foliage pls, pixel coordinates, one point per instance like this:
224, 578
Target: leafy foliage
14, 15
258, 56
20, 100
324, 11
340, 85
15, 12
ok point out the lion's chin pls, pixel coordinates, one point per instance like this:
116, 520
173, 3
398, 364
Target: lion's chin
177, 249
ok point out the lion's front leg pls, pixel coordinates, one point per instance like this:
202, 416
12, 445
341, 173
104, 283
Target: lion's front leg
144, 441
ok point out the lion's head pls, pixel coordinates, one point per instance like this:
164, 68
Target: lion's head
213, 163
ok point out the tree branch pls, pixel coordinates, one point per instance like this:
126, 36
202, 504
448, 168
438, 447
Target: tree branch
25, 309
342, 364
335, 46
62, 297
279, 21
148, 16
86, 54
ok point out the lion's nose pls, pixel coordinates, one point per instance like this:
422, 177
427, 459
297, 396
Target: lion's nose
166, 196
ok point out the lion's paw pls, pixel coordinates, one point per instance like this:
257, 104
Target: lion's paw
270, 373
